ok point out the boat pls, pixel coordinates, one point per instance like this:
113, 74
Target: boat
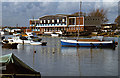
19, 40
39, 43
33, 36
88, 43
35, 43
54, 35
6, 44
13, 67
24, 40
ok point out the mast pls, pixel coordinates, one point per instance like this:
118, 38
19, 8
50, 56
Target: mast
79, 16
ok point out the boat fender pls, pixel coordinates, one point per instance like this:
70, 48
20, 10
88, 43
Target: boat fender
116, 43
34, 51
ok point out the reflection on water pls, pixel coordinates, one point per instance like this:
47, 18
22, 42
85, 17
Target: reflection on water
54, 60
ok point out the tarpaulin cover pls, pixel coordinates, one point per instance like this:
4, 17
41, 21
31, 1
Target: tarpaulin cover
15, 66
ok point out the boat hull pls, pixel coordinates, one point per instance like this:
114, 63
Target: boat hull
54, 35
36, 43
75, 43
10, 46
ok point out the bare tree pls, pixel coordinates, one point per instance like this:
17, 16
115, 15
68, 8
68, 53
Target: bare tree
99, 13
117, 20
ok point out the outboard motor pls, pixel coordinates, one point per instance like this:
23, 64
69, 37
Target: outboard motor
3, 37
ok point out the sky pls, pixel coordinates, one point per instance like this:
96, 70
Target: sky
19, 12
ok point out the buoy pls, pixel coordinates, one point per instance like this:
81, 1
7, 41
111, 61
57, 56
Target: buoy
53, 52
34, 51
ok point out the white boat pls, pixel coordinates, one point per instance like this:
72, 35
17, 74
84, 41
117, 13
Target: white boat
54, 35
2, 33
35, 43
19, 40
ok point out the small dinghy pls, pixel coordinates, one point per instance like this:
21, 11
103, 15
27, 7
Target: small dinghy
39, 43
35, 43
54, 35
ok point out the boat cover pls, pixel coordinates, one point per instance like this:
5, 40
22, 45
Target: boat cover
14, 65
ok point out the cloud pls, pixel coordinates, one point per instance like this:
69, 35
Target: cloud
20, 12
59, 0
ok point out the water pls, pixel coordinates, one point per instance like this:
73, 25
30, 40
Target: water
54, 60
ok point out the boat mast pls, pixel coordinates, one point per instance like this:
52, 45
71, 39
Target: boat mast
79, 16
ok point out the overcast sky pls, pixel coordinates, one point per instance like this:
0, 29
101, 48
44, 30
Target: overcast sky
20, 12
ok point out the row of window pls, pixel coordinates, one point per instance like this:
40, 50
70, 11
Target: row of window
80, 28
91, 19
49, 24
35, 29
57, 29
49, 21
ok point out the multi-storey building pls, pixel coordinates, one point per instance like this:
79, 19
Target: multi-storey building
57, 23
64, 23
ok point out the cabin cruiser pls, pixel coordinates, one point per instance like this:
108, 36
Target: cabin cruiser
23, 40
33, 36
19, 40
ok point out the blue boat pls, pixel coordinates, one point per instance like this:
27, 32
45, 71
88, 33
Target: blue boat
88, 43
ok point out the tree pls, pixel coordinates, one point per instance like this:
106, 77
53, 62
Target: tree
99, 13
117, 20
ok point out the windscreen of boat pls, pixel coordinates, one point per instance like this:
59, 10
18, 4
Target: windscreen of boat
23, 38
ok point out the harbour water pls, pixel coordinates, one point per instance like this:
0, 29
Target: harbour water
54, 60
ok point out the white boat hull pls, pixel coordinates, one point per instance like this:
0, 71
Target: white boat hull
54, 35
35, 43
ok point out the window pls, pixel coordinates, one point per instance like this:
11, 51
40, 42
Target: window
48, 21
57, 20
63, 20
72, 28
72, 21
52, 20
81, 28
40, 21
44, 21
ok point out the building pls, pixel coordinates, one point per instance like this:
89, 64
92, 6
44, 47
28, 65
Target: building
64, 23
108, 27
92, 24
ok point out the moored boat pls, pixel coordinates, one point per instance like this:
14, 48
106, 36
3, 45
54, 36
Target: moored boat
54, 35
13, 67
6, 44
33, 36
88, 43
35, 43
39, 43
19, 40
10, 46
